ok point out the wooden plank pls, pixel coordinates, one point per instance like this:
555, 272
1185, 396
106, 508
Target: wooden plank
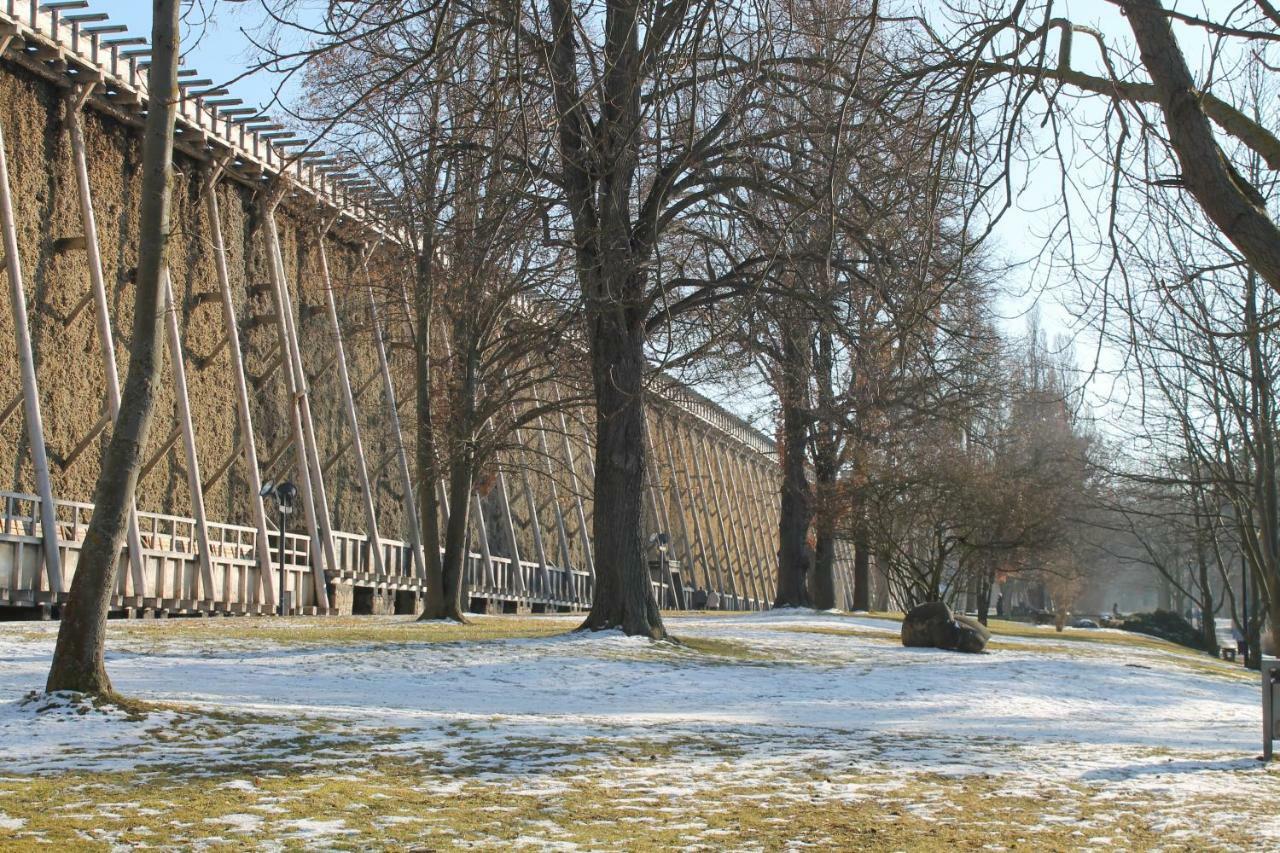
183, 404
349, 407
314, 511
393, 418
98, 291
248, 440
27, 372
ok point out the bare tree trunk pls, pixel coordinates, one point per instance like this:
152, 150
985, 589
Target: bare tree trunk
1207, 610
986, 583
78, 657
822, 586
434, 604
462, 477
861, 570
796, 511
623, 596
456, 551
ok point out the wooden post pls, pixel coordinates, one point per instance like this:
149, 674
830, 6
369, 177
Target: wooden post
678, 467
188, 437
573, 477
262, 549
312, 502
728, 546
687, 572
767, 496
349, 406
742, 464
561, 531
738, 521
27, 372
535, 523
393, 417
106, 341
718, 556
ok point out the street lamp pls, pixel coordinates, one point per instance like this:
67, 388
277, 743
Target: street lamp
284, 493
660, 540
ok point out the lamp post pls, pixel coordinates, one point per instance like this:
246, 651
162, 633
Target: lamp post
284, 493
661, 540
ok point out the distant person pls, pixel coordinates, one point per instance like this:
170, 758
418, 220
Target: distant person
1115, 609
1242, 645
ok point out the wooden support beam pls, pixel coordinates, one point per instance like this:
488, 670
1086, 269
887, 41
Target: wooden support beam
687, 572
182, 403
161, 452
734, 519
728, 547
680, 471
766, 493
526, 489
736, 465
353, 420
577, 485
566, 558
27, 372
83, 444
310, 480
10, 407
701, 505
398, 449
248, 440
481, 529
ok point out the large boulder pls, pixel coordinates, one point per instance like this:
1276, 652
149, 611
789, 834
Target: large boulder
926, 626
970, 636
933, 625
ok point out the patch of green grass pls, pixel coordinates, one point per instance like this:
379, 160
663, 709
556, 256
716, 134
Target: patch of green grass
604, 805
330, 630
833, 631
727, 650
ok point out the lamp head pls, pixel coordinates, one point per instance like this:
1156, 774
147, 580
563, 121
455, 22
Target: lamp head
286, 495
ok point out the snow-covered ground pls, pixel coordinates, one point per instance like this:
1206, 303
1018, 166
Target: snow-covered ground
830, 703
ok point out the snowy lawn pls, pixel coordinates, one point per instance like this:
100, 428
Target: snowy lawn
756, 732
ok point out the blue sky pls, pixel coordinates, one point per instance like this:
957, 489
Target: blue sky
217, 47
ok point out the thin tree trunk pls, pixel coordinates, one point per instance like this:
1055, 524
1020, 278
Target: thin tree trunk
453, 564
434, 604
985, 585
462, 477
796, 512
1207, 626
824, 576
822, 586
861, 570
78, 656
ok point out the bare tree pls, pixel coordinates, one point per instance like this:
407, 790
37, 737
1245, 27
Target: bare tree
78, 657
488, 306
